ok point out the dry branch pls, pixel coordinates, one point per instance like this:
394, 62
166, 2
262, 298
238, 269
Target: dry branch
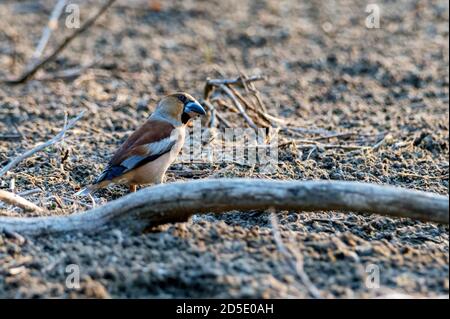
238, 80
211, 83
16, 200
38, 65
50, 27
239, 106
250, 106
178, 201
40, 147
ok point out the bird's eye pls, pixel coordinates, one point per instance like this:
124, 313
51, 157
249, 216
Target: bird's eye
182, 98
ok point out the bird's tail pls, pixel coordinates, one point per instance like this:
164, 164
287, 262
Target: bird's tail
87, 190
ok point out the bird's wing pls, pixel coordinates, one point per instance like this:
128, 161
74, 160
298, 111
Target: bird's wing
146, 144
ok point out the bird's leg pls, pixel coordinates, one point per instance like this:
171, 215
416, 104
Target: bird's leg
161, 180
133, 188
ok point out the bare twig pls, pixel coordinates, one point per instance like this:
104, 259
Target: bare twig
38, 65
310, 153
250, 86
40, 147
238, 81
219, 117
51, 26
25, 193
336, 146
30, 192
301, 130
295, 260
10, 137
176, 202
250, 106
314, 144
16, 200
337, 135
68, 74
383, 141
212, 109
239, 106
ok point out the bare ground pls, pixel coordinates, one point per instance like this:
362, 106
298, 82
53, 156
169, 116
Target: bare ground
325, 71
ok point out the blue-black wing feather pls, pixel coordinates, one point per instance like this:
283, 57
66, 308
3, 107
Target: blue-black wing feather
113, 171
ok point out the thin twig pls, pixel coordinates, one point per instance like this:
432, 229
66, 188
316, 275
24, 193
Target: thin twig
335, 146
302, 130
238, 80
51, 26
67, 74
30, 192
337, 135
219, 117
16, 200
315, 144
381, 142
313, 149
10, 137
295, 260
30, 73
211, 83
212, 109
40, 147
252, 88
239, 106
250, 106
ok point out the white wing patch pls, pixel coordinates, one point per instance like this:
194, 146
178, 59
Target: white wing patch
160, 146
153, 150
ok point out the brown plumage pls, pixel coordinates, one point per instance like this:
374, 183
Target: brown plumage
147, 153
150, 132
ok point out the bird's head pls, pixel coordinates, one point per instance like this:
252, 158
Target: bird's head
179, 107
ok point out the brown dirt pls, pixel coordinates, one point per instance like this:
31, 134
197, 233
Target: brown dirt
325, 70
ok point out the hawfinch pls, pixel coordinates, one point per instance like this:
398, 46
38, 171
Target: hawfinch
146, 155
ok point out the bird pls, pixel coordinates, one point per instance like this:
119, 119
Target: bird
147, 153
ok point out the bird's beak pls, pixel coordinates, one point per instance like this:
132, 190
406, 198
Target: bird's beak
194, 107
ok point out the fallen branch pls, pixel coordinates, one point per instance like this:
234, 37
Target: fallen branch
39, 64
40, 147
16, 200
176, 202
